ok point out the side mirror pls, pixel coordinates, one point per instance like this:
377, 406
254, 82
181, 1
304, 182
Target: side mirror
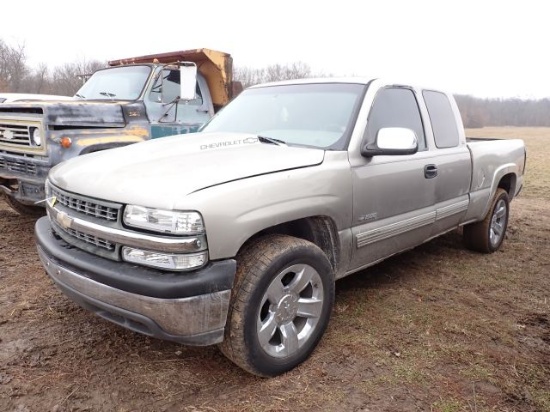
188, 80
392, 141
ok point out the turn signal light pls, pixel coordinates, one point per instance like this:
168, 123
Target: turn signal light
65, 142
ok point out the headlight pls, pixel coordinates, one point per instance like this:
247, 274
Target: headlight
163, 221
169, 261
36, 136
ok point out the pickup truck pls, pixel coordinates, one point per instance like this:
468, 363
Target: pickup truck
132, 100
236, 235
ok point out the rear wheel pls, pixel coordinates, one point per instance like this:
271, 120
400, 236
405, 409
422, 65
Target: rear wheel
487, 236
23, 209
280, 306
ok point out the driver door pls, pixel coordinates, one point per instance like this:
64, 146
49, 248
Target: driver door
393, 202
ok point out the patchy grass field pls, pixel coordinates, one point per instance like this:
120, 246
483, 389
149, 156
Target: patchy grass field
438, 328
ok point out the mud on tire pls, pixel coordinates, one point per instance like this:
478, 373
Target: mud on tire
281, 304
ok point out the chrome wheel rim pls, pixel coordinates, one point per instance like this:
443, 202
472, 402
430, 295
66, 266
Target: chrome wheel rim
498, 223
290, 310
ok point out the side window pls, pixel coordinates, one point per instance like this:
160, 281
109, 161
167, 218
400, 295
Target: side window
442, 118
167, 88
395, 107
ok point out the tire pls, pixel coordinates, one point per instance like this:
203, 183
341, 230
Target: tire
488, 235
280, 305
23, 209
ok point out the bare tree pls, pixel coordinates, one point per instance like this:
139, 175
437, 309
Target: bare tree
68, 78
13, 68
38, 81
250, 76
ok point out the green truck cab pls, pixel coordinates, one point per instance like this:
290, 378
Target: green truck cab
131, 100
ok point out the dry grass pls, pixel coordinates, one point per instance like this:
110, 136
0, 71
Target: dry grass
538, 155
436, 329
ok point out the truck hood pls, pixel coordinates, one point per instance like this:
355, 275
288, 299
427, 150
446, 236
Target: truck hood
79, 113
160, 173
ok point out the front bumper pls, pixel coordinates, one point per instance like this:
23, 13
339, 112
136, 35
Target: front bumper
189, 308
23, 177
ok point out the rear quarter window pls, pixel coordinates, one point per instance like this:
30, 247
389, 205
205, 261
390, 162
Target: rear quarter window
442, 118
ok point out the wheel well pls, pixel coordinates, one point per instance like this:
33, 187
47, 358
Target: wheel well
319, 230
508, 183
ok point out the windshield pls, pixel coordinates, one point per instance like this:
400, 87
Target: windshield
115, 83
315, 114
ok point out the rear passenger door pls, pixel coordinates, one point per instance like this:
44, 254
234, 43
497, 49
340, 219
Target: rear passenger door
393, 196
452, 163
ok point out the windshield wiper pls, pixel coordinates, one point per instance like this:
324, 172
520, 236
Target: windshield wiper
265, 139
107, 94
80, 96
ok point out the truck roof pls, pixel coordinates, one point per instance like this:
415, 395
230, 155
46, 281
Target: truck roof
356, 80
351, 80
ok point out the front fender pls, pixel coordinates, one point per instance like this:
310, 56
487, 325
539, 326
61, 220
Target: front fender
234, 212
93, 140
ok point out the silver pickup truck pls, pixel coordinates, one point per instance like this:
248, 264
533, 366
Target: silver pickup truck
235, 235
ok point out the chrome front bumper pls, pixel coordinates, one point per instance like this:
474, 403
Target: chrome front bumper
193, 319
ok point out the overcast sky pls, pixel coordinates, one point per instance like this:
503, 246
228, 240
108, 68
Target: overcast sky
485, 48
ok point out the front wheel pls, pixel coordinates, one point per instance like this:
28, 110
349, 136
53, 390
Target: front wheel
280, 306
487, 236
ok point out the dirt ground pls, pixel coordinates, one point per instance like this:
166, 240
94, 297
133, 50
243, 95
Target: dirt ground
438, 328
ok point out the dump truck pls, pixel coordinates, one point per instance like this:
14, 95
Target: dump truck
132, 100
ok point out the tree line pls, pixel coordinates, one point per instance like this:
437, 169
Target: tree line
17, 76
478, 112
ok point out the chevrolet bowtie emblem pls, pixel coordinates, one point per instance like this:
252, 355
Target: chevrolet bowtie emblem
8, 135
64, 220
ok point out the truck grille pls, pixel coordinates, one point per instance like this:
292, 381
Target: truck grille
93, 240
15, 134
85, 205
18, 166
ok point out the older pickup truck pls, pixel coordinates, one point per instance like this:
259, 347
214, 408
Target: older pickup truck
132, 100
236, 235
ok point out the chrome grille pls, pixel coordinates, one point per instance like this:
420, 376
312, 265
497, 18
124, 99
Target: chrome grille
86, 206
15, 134
94, 240
18, 166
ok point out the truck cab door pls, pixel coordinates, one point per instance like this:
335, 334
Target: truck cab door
170, 115
393, 195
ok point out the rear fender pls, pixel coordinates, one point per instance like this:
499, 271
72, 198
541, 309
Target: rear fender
505, 176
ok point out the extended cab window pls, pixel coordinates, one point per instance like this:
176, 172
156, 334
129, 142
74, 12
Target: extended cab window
442, 118
395, 107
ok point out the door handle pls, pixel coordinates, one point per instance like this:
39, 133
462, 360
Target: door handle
430, 171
